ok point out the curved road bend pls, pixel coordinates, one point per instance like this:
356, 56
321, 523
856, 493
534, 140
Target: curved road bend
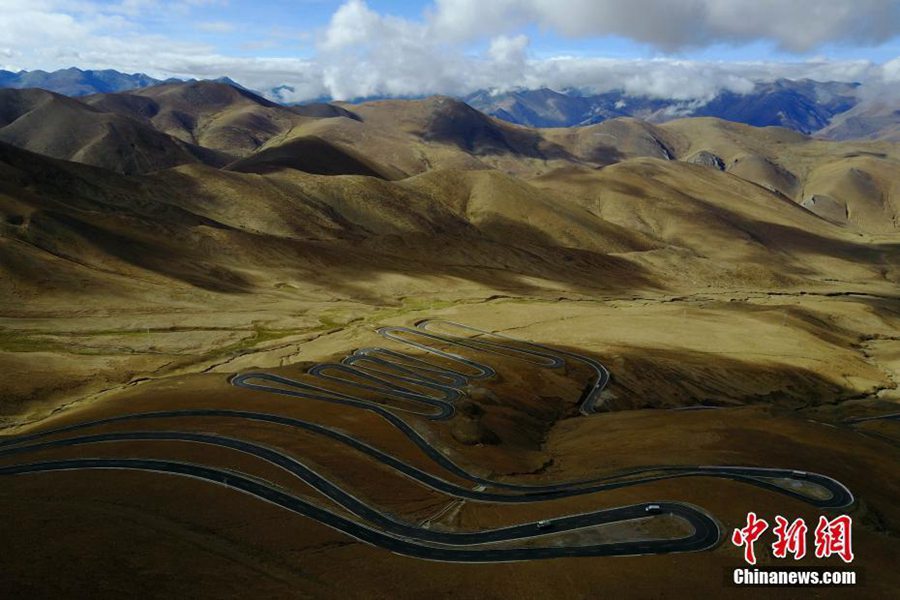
705, 535
591, 400
350, 502
414, 380
394, 374
840, 495
889, 417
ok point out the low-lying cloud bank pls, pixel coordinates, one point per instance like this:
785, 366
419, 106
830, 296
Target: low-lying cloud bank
460, 46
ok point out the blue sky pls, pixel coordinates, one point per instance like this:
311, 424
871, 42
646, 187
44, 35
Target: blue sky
347, 48
277, 27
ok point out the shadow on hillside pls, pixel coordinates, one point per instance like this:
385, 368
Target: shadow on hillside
800, 241
510, 257
216, 258
673, 378
131, 220
166, 251
461, 125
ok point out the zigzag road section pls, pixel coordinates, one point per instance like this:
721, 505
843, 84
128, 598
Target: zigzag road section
408, 386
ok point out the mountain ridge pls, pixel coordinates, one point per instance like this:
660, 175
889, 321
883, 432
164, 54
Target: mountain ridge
832, 109
802, 105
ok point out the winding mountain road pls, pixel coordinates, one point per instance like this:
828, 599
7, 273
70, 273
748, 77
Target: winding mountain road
410, 380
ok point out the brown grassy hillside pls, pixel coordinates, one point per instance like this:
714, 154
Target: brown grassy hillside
155, 243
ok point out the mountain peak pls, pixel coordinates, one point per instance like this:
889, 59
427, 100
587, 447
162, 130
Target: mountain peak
804, 105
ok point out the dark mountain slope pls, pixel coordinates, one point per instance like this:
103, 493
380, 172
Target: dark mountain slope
62, 127
310, 155
218, 116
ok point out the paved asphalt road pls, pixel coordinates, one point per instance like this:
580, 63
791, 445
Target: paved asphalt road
890, 417
410, 380
382, 521
705, 535
840, 496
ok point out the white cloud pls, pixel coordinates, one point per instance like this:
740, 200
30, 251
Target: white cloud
891, 70
362, 52
794, 25
509, 50
354, 24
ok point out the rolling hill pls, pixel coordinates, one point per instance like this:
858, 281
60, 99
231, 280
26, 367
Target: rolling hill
217, 116
65, 128
220, 125
877, 119
831, 109
623, 200
739, 283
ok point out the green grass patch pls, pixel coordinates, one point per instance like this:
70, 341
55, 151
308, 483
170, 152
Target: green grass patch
260, 335
408, 305
12, 341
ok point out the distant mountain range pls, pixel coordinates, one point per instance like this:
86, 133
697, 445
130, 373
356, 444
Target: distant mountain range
78, 82
829, 109
805, 106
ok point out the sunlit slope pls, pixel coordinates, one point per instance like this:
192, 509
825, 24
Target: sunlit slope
213, 115
847, 183
197, 228
414, 136
614, 140
718, 228
861, 191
